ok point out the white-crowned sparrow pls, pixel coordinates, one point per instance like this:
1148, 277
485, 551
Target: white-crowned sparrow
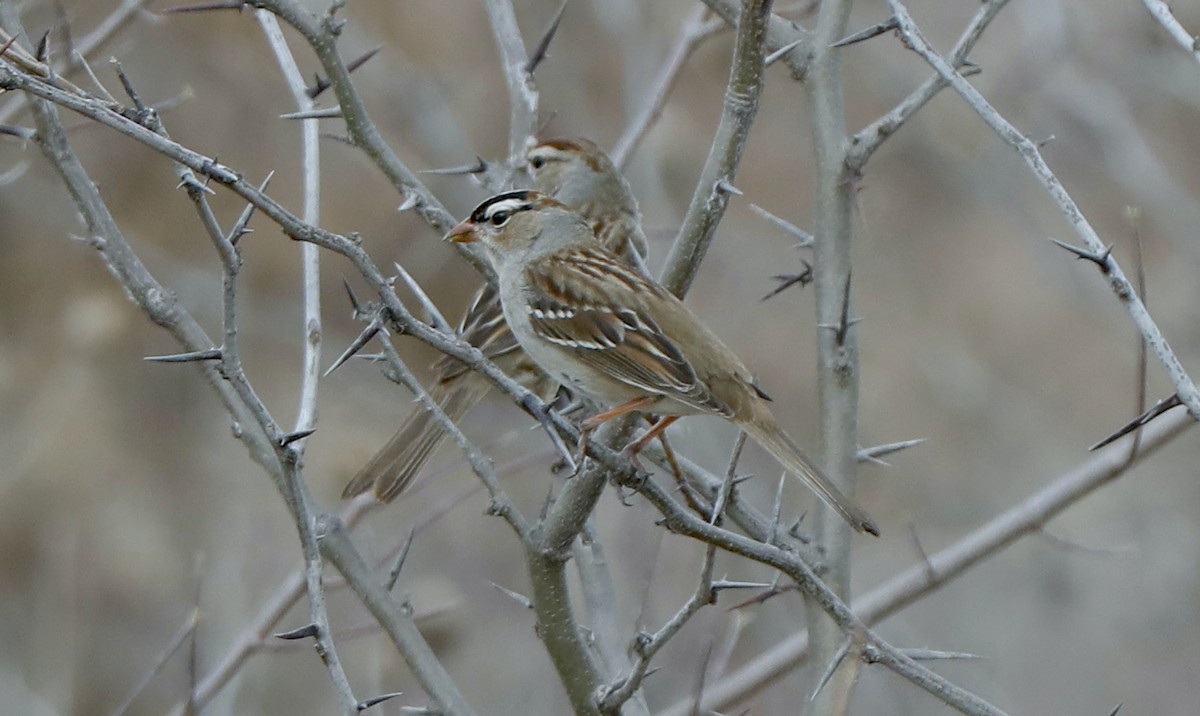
612, 334
578, 173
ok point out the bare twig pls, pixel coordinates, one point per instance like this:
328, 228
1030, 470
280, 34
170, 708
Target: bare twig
695, 30
306, 417
153, 298
745, 515
1162, 13
394, 617
522, 92
363, 133
870, 138
780, 34
681, 521
946, 565
613, 463
837, 347
85, 47
647, 645
1124, 290
479, 463
720, 169
600, 596
253, 637
186, 630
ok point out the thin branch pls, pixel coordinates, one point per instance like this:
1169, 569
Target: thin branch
1124, 290
311, 161
522, 92
322, 36
695, 30
187, 629
291, 225
946, 565
480, 464
86, 47
615, 695
614, 463
253, 637
870, 138
739, 510
394, 617
159, 304
1162, 13
646, 646
306, 416
837, 350
720, 169
781, 33
600, 596
681, 521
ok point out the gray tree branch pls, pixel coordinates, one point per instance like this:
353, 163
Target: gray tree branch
837, 344
1096, 251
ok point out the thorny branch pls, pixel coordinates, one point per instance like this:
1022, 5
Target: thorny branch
837, 345
695, 30
780, 36
864, 143
1185, 388
716, 183
321, 34
647, 645
296, 229
942, 567
522, 92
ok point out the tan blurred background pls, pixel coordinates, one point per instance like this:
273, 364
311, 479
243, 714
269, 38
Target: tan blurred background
124, 501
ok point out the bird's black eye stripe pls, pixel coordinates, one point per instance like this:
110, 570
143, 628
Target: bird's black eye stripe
512, 201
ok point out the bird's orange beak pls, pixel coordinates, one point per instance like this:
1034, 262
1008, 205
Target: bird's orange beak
464, 233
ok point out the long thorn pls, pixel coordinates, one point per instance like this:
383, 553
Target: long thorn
190, 357
435, 316
872, 31
363, 338
1158, 409
395, 574
540, 50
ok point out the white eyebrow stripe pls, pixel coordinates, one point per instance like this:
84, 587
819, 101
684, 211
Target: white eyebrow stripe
509, 205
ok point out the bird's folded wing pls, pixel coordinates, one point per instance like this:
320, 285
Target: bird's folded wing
590, 304
483, 327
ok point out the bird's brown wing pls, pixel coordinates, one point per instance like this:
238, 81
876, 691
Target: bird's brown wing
591, 304
482, 326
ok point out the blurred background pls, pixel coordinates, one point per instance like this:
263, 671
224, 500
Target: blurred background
125, 502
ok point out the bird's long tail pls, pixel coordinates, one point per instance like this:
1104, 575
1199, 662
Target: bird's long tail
401, 459
793, 458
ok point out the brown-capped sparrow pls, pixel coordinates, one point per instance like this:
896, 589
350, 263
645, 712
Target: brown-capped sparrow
612, 334
578, 173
